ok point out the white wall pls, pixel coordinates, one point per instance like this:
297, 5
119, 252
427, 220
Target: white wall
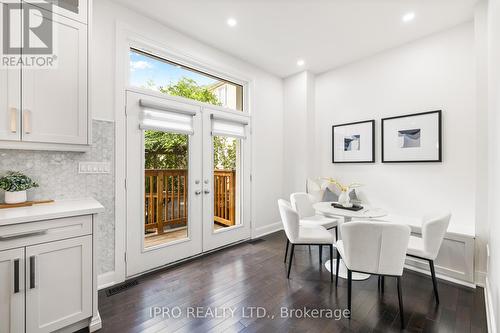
437, 72
299, 122
266, 93
493, 279
481, 158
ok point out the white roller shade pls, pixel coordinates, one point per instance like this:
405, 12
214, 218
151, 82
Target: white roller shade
162, 117
235, 128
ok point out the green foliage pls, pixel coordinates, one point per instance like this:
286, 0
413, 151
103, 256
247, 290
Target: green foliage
224, 153
166, 150
15, 181
169, 150
188, 88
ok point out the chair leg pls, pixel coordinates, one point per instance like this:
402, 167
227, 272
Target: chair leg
320, 255
349, 291
382, 283
286, 250
290, 262
337, 269
331, 263
434, 281
400, 298
336, 234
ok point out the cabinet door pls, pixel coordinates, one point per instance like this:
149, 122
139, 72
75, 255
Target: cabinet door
55, 99
73, 9
58, 284
10, 85
12, 291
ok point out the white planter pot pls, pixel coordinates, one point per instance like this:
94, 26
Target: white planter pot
15, 197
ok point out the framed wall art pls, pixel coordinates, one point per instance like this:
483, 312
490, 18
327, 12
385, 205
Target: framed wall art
354, 142
412, 138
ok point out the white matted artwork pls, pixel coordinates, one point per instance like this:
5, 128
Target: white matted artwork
412, 138
354, 142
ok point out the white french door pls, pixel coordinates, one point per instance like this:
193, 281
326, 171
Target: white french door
187, 180
226, 203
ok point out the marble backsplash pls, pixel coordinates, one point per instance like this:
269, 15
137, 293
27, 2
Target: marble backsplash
58, 177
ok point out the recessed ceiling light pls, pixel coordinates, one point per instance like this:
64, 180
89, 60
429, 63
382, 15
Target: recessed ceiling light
408, 17
231, 22
300, 62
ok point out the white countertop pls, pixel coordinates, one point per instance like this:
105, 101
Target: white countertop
54, 210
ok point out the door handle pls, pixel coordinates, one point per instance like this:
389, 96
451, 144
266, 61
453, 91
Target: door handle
16, 276
27, 121
206, 191
13, 120
32, 272
197, 192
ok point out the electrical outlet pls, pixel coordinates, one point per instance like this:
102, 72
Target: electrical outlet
94, 167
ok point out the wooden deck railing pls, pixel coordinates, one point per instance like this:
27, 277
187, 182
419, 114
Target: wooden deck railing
166, 198
224, 196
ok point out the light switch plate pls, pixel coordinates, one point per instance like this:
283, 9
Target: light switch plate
94, 167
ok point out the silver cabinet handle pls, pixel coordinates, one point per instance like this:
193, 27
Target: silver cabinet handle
32, 272
13, 120
197, 192
27, 121
23, 234
16, 276
206, 191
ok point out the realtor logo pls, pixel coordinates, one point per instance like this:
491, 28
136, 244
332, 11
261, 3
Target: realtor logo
28, 35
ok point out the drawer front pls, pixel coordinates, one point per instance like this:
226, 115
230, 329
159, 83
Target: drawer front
25, 234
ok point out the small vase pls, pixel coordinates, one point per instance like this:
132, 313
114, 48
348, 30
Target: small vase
345, 199
15, 197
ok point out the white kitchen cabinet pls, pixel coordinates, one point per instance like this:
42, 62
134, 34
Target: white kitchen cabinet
12, 291
58, 284
73, 9
55, 99
10, 94
48, 279
47, 108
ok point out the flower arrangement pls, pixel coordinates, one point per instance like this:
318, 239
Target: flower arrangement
342, 188
344, 197
16, 181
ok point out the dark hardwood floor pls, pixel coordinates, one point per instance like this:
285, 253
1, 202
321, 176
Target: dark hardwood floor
253, 275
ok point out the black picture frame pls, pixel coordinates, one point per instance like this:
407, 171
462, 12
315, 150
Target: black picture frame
440, 137
372, 160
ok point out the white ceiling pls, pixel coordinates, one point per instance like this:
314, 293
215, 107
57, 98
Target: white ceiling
273, 34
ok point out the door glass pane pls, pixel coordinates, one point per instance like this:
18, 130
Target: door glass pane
166, 184
226, 152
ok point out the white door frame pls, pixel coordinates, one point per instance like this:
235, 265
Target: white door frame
127, 36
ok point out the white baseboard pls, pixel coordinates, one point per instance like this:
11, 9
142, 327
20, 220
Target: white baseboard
268, 229
490, 313
106, 280
441, 276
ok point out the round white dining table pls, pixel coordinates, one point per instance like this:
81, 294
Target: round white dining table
367, 213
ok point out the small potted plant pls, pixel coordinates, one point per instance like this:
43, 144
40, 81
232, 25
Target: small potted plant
15, 185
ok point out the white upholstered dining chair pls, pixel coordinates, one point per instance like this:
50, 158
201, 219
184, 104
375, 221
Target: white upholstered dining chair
301, 235
373, 248
303, 204
427, 247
